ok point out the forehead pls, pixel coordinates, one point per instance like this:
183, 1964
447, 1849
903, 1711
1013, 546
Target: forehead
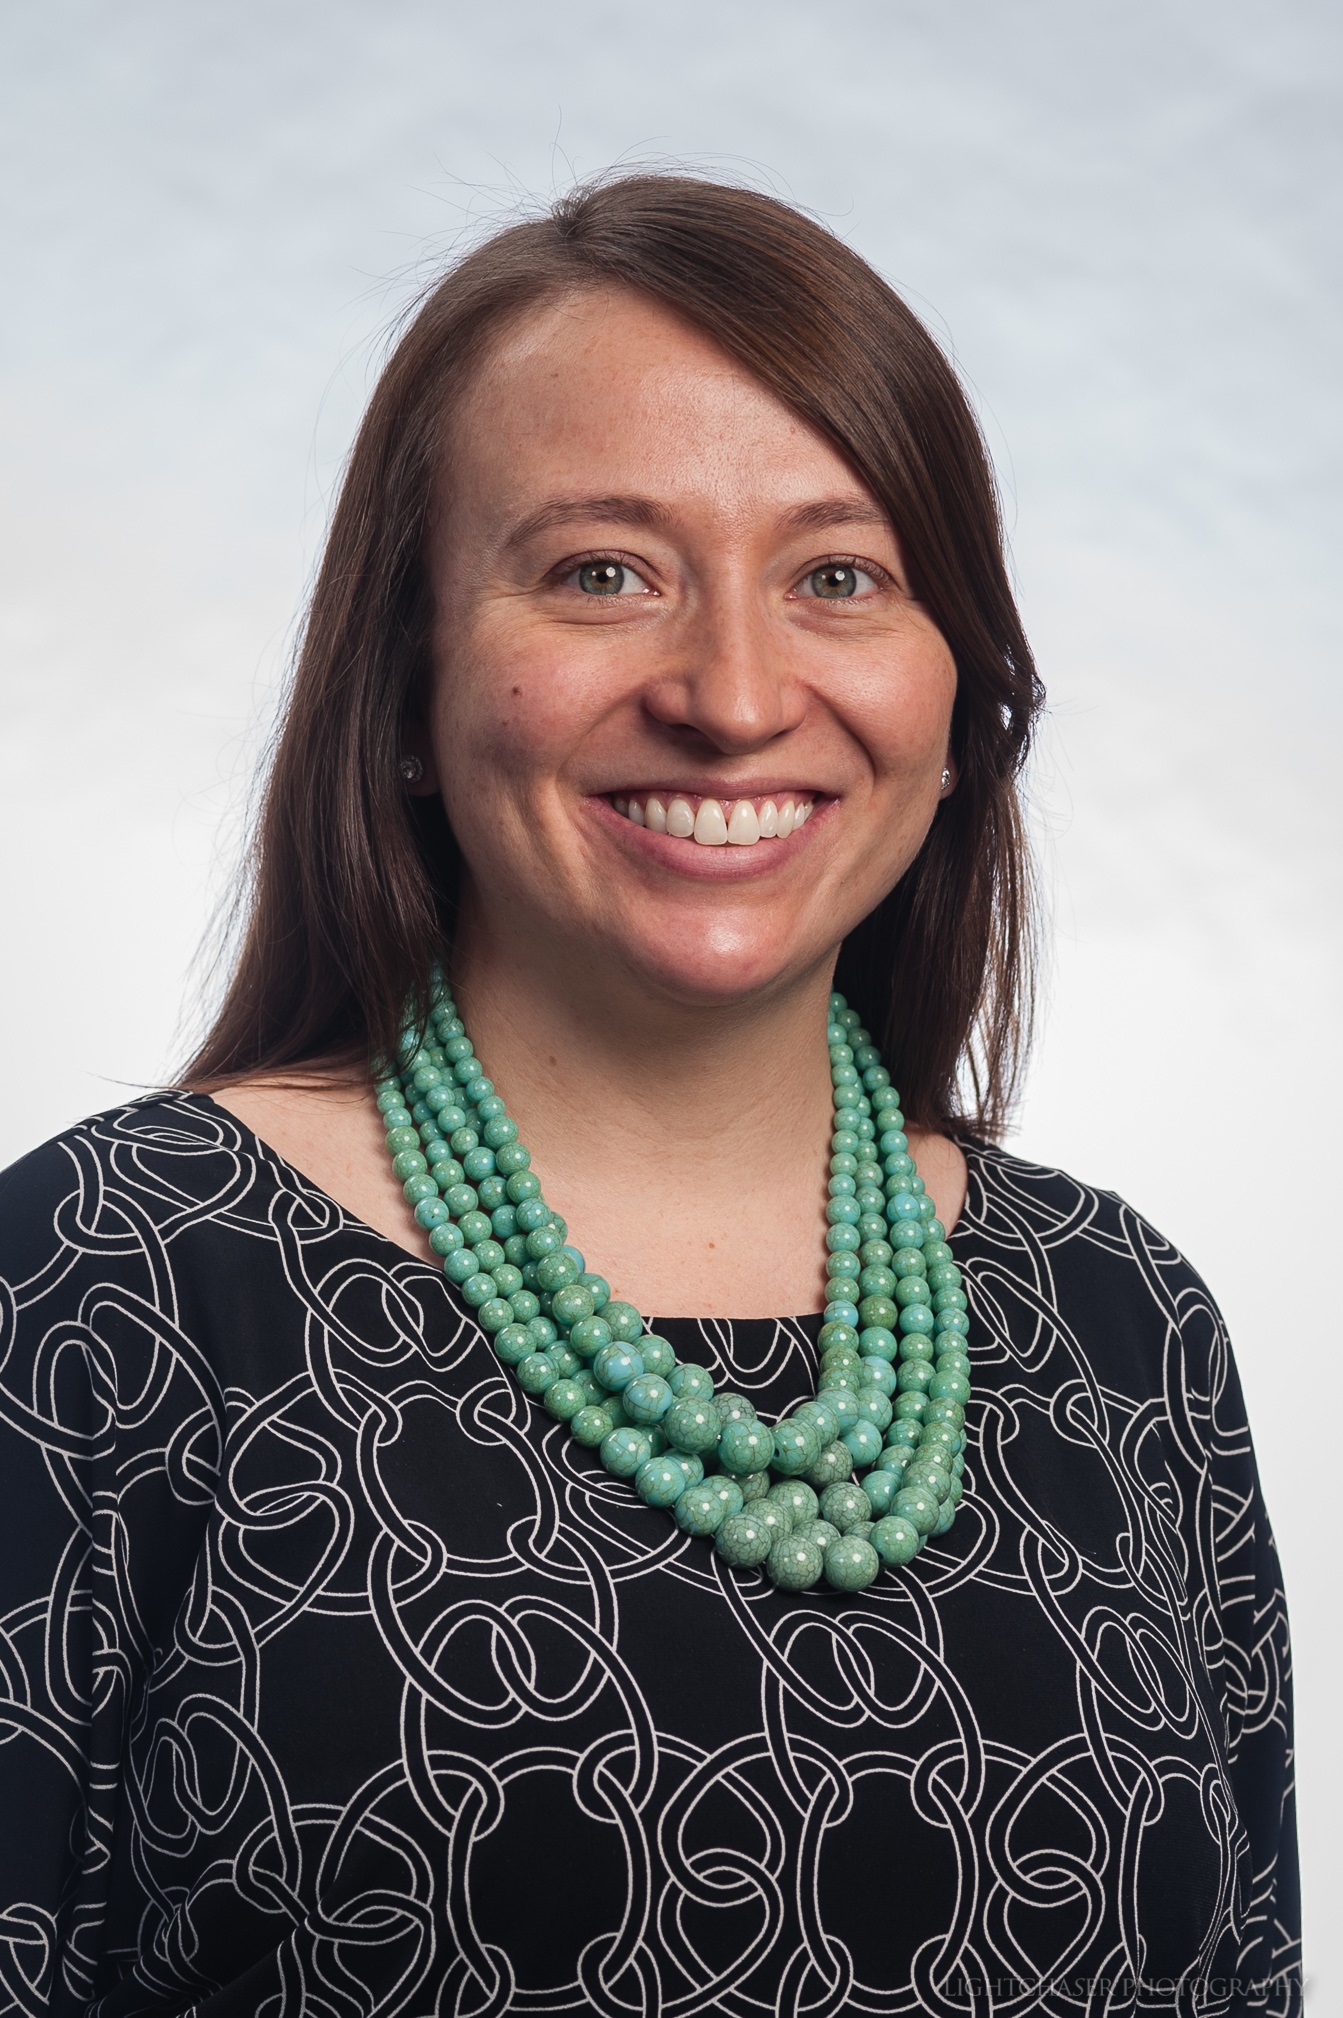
608, 390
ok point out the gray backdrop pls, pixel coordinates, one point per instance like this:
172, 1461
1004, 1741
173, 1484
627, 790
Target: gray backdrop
1122, 220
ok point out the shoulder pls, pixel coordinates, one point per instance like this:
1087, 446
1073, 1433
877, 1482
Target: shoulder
129, 1178
1046, 1248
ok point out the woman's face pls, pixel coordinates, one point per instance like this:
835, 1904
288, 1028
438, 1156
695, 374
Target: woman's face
688, 721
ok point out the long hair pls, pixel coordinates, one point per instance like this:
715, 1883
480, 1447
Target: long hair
350, 897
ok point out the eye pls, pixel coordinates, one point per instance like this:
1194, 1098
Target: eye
608, 578
836, 581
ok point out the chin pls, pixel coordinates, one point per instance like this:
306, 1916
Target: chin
714, 975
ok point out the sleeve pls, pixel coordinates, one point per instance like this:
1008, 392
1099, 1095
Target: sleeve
1248, 1650
101, 1504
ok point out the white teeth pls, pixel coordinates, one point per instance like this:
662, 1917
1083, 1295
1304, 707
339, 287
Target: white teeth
710, 825
743, 829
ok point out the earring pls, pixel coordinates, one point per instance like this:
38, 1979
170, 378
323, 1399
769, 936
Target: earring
946, 780
411, 769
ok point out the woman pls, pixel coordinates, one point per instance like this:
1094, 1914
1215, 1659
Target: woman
397, 1619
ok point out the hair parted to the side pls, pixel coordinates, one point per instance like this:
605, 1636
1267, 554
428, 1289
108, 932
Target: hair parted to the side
351, 891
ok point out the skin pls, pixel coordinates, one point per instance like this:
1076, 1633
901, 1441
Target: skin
655, 1011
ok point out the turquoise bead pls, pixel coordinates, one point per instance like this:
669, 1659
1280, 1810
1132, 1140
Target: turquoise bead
690, 1381
647, 1396
799, 1499
896, 1541
796, 1447
625, 1322
692, 1425
931, 1477
692, 1466
625, 1450
915, 1376
446, 1238
589, 1335
878, 1342
542, 1240
844, 1238
536, 1373
844, 1506
842, 1403
822, 1532
949, 1387
794, 1564
700, 1509
832, 1464
911, 1404
598, 1289
616, 1366
833, 1334
572, 1302
916, 1346
533, 1214
478, 1164
525, 1305
416, 1189
840, 1311
744, 1539
851, 1564
499, 1130
916, 1318
842, 1212
917, 1506
565, 1399
733, 1407
461, 1266
754, 1485
744, 1446
508, 1278
877, 1281
513, 1343
660, 1482
523, 1184
543, 1331
881, 1488
494, 1313
556, 1271
478, 1289
862, 1444
822, 1419
949, 1299
873, 1407
878, 1374
431, 1212
399, 1139
911, 1289
656, 1354
512, 1160
948, 1321
409, 1163
475, 1228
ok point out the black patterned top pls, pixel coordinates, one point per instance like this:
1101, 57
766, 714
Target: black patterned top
336, 1679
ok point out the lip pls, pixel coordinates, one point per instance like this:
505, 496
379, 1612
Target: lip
713, 865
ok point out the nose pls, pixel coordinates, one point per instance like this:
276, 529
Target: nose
728, 684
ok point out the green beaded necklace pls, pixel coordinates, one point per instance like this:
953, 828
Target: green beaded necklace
860, 1476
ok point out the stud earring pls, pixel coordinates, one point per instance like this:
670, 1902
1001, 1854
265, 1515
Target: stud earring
411, 769
946, 780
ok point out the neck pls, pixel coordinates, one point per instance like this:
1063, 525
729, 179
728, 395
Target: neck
685, 1144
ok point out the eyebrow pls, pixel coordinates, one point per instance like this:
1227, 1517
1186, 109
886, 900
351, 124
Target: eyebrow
820, 515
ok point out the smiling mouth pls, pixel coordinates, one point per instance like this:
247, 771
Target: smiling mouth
716, 823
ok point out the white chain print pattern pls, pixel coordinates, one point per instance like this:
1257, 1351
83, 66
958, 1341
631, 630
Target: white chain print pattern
374, 1693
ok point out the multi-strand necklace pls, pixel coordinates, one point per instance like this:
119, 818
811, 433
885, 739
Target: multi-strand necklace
859, 1476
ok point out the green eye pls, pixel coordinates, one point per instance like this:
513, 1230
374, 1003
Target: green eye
601, 578
834, 581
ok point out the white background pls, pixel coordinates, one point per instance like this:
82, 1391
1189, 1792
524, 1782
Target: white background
1123, 219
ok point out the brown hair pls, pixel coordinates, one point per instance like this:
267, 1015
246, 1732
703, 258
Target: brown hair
350, 896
